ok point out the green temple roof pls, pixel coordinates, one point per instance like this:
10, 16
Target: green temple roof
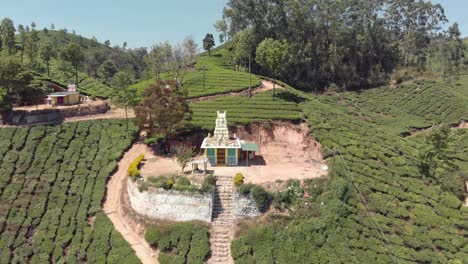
249, 147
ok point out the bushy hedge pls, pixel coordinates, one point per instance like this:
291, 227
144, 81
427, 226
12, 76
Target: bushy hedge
259, 194
180, 243
133, 170
178, 183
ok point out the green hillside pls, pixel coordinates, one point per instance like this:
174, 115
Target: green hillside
52, 183
415, 105
220, 76
375, 207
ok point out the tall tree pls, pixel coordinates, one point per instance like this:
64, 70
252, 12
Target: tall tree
243, 48
7, 30
73, 54
222, 27
106, 71
22, 35
14, 79
164, 109
159, 58
46, 53
32, 42
208, 43
273, 55
453, 52
123, 95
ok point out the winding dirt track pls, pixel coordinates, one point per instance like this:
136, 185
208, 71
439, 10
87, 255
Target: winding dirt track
113, 207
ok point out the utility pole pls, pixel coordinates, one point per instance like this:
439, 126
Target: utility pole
250, 79
203, 69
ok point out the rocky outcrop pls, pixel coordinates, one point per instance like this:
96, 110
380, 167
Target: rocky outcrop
169, 204
244, 206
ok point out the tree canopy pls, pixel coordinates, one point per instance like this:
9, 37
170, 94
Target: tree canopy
208, 43
164, 108
354, 44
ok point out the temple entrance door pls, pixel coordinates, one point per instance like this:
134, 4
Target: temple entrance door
221, 156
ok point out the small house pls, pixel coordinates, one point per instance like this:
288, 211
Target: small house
223, 149
70, 97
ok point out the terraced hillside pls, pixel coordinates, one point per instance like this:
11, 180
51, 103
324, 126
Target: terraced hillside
52, 182
242, 109
376, 207
219, 76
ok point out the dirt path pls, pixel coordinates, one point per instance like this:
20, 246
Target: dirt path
265, 86
114, 210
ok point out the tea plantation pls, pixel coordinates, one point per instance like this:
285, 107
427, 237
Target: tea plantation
376, 207
180, 243
399, 109
52, 183
242, 109
219, 76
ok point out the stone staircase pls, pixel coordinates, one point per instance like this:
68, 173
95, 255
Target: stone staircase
223, 221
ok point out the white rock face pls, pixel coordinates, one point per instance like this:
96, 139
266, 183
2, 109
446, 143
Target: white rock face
170, 205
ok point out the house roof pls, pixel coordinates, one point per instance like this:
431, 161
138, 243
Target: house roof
62, 94
249, 147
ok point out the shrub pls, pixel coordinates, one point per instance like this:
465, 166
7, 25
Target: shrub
154, 139
238, 179
184, 155
208, 184
152, 235
183, 181
168, 184
133, 170
261, 197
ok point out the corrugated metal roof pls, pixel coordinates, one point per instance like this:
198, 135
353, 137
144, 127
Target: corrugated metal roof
249, 147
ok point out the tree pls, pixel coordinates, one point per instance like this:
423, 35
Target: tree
73, 54
273, 55
107, 43
436, 159
22, 35
164, 109
208, 43
106, 71
453, 52
32, 40
123, 95
244, 46
7, 31
184, 154
159, 57
435, 156
46, 53
124, 45
221, 26
14, 79
52, 26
